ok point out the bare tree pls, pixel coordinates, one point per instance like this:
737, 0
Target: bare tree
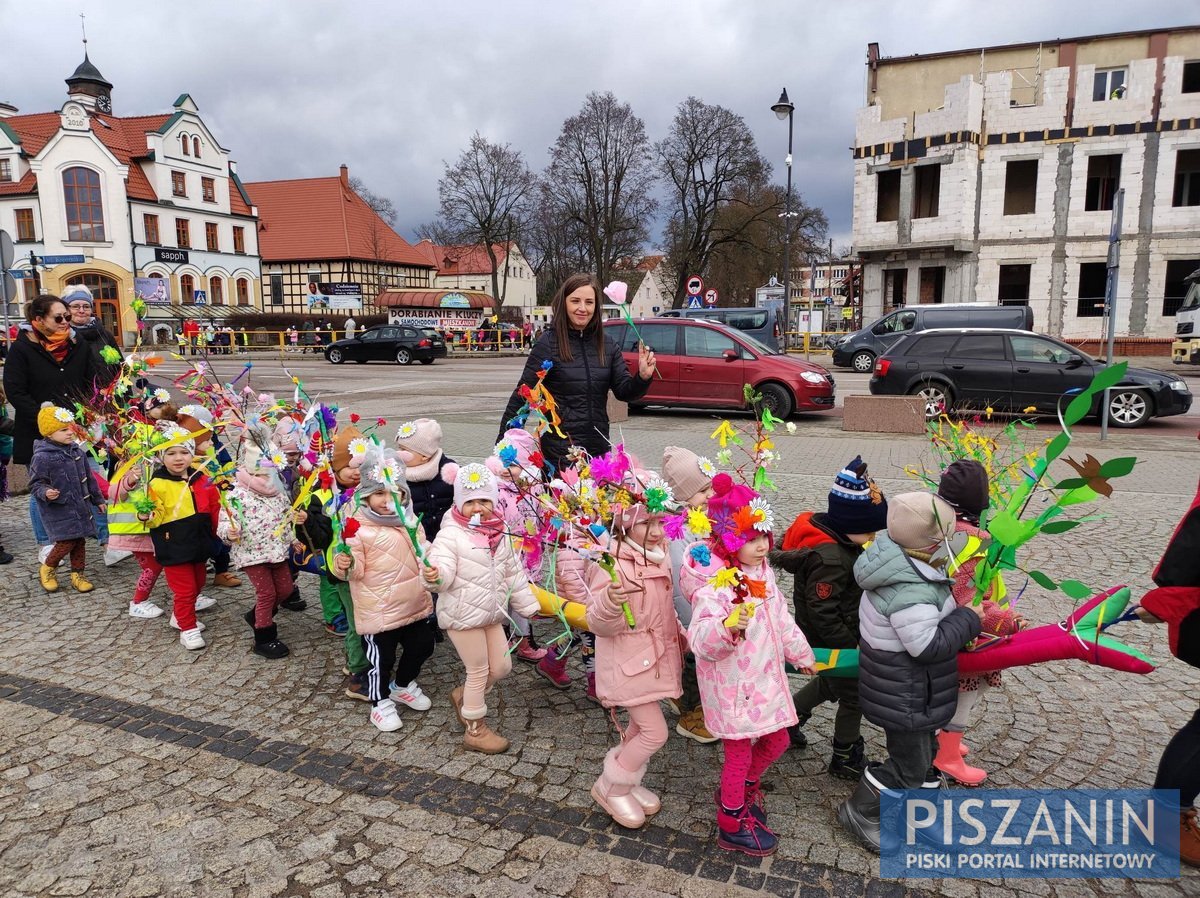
381, 205
554, 246
709, 161
485, 198
600, 178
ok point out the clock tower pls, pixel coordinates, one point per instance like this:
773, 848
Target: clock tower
89, 88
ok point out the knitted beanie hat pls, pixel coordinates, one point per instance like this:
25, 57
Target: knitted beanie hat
475, 481
342, 455
686, 472
170, 432
76, 293
919, 520
627, 518
422, 436
856, 504
383, 471
964, 485
738, 514
197, 413
52, 418
288, 434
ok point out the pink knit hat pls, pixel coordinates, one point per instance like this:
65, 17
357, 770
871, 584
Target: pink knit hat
686, 472
288, 435
421, 435
474, 481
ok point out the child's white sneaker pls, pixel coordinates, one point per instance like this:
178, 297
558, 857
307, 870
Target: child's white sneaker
191, 639
115, 556
200, 628
44, 553
411, 695
203, 603
144, 610
385, 718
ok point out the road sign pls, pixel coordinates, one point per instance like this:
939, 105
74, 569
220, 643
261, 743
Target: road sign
710, 297
6, 250
20, 273
828, 300
656, 309
62, 260
695, 285
694, 302
199, 297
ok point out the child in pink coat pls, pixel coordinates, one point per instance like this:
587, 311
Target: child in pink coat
742, 633
636, 667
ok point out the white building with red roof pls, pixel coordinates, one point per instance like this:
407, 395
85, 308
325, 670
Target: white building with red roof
469, 268
325, 251
135, 196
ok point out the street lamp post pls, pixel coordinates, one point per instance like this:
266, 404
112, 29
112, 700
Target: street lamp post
783, 109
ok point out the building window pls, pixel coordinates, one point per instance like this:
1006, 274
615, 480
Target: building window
239, 239
243, 292
277, 289
1187, 178
187, 289
196, 147
5, 169
1108, 84
216, 291
150, 223
926, 190
1020, 187
1176, 287
1092, 279
887, 200
894, 283
1103, 179
210, 237
178, 184
183, 234
1191, 77
85, 212
1014, 285
933, 284
184, 145
208, 190
25, 229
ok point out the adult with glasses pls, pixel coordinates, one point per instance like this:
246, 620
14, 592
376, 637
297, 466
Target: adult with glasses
46, 363
91, 331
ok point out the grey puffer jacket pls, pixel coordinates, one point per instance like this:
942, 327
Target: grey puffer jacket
580, 388
64, 468
911, 632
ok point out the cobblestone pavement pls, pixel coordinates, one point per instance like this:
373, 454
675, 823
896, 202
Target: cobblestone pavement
130, 767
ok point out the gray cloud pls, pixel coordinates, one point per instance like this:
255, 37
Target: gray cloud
392, 89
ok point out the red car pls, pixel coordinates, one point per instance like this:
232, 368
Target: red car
705, 365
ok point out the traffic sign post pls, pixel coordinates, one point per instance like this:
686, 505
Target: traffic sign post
710, 298
695, 285
694, 302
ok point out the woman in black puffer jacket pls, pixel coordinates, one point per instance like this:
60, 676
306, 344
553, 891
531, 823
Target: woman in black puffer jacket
585, 369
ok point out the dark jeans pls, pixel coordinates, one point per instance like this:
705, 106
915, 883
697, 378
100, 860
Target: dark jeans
847, 723
909, 756
416, 643
1180, 764
690, 700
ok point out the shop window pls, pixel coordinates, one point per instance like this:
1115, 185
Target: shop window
1014, 285
1020, 187
1093, 276
1187, 178
1103, 179
1175, 288
926, 191
887, 200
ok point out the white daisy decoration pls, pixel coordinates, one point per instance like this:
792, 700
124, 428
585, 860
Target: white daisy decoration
764, 517
161, 395
278, 459
63, 416
474, 477
358, 448
407, 429
389, 472
706, 466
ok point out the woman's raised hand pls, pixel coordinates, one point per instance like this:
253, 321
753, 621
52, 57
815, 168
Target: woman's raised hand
647, 364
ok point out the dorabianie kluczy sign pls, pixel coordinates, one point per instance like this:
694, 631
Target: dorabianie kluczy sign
1029, 834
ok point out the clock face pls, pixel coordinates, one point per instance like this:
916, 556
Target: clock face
103, 103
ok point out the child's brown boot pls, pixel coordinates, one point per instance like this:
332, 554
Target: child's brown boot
480, 737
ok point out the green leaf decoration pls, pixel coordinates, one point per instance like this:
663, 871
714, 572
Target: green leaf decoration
1057, 445
1059, 526
1108, 377
1007, 530
1077, 496
1117, 467
1042, 580
1079, 408
1070, 483
1075, 589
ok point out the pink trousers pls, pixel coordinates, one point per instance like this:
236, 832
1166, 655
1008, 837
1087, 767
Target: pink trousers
746, 761
646, 734
484, 653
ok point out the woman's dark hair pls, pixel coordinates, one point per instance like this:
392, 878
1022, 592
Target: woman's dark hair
561, 322
40, 306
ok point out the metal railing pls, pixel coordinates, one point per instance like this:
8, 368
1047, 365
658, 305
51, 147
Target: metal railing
314, 342
811, 341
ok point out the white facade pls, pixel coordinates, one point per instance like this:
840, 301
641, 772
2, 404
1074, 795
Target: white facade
518, 285
1021, 209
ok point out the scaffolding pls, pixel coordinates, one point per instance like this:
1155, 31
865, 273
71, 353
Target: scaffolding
1026, 80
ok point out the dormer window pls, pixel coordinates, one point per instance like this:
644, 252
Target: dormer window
183, 142
85, 210
196, 147
5, 169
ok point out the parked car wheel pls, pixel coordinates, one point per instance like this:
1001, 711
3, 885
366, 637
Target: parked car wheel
937, 396
1128, 408
863, 362
336, 356
403, 357
777, 399
426, 361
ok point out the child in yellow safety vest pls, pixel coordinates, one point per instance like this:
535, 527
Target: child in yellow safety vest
964, 485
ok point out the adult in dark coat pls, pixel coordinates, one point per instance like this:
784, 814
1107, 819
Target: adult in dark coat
46, 364
90, 331
1177, 602
585, 369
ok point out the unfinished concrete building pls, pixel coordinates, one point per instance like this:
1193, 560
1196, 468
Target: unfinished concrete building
989, 175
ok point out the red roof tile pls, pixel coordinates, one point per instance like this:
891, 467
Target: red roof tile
322, 218
27, 185
431, 299
464, 259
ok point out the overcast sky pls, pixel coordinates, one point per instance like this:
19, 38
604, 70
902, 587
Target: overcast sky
293, 88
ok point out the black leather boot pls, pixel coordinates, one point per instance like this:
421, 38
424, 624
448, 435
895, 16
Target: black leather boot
267, 644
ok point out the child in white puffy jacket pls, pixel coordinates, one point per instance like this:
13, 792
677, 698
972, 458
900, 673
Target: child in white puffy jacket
479, 578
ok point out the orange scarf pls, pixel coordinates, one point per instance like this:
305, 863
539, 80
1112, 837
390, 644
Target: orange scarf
57, 345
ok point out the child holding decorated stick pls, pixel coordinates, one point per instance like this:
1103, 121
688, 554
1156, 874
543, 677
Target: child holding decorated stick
480, 582
257, 522
390, 599
65, 491
639, 652
742, 634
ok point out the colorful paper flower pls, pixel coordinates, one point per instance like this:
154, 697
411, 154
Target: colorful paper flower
110, 355
63, 416
673, 526
278, 459
791, 426
764, 517
725, 577
161, 395
698, 523
507, 453
617, 292
701, 554
407, 429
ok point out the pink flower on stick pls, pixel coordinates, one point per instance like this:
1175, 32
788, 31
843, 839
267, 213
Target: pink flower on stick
616, 291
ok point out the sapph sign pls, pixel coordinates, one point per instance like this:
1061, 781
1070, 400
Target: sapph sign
1030, 834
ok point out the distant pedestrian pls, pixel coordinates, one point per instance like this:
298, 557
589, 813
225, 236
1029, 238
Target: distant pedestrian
351, 326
